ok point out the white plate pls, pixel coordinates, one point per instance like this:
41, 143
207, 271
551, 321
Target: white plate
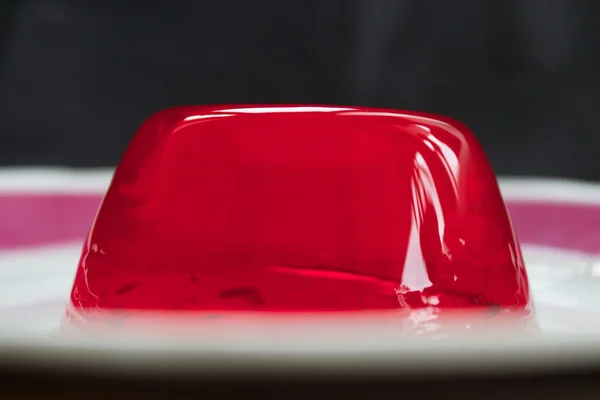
565, 282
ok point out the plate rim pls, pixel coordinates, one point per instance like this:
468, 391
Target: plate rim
82, 181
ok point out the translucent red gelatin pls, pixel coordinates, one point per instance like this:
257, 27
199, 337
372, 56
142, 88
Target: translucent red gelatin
301, 208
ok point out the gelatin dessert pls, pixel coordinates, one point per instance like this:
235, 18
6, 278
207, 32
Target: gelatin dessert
301, 209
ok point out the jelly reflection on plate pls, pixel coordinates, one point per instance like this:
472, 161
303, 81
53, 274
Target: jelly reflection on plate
301, 209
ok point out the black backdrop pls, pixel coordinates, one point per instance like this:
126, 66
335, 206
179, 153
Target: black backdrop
77, 77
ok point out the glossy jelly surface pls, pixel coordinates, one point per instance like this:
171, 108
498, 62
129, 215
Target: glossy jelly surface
301, 208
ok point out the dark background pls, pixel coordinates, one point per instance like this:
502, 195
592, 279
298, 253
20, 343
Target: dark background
77, 77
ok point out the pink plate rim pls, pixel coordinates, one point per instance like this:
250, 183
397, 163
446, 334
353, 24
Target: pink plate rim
34, 202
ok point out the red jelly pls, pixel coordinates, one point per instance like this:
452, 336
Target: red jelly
301, 208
